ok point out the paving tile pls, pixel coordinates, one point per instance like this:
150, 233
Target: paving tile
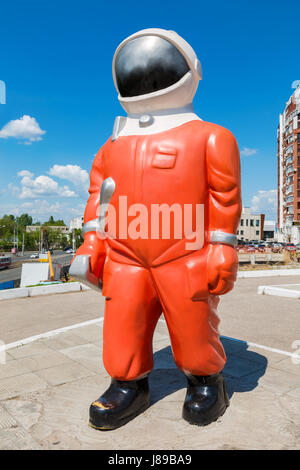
163, 359
17, 439
239, 367
8, 357
31, 349
27, 412
64, 373
295, 393
232, 345
21, 384
277, 381
259, 355
13, 368
88, 355
63, 340
6, 419
90, 333
287, 365
44, 361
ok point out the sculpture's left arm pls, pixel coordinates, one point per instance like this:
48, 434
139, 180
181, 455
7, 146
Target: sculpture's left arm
224, 209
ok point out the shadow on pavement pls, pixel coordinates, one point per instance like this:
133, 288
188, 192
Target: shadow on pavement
242, 371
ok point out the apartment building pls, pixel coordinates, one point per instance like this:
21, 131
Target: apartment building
288, 161
251, 226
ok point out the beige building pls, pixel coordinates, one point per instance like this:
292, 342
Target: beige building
251, 226
76, 223
60, 228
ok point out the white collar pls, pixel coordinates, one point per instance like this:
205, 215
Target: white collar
154, 122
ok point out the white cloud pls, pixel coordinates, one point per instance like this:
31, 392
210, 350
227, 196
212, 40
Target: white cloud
26, 128
25, 173
40, 186
73, 173
265, 202
246, 151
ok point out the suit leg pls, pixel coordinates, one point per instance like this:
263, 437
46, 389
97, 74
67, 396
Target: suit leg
191, 315
131, 314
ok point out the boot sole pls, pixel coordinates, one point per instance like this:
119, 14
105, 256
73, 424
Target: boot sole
121, 423
208, 421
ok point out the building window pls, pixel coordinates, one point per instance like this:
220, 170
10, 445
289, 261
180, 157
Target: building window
247, 222
242, 222
242, 232
257, 222
257, 232
251, 223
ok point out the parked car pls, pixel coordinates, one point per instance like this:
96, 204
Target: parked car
276, 248
290, 246
261, 247
34, 255
251, 248
70, 250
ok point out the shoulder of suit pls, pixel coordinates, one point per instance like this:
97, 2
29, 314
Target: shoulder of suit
217, 131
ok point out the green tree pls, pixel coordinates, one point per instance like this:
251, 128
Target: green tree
24, 220
53, 222
77, 236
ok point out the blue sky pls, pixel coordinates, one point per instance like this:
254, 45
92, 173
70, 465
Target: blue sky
56, 63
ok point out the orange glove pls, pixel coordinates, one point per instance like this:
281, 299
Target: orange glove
222, 266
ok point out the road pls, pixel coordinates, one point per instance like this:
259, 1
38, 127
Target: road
14, 273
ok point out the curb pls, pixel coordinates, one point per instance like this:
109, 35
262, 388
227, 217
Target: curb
22, 292
268, 273
278, 291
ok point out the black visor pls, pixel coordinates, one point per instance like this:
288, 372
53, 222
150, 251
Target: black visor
148, 64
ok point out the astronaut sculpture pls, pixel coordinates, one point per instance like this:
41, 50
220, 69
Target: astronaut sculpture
161, 159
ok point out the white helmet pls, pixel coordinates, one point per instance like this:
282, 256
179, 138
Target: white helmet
155, 69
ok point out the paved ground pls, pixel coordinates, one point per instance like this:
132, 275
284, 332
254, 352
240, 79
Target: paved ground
46, 386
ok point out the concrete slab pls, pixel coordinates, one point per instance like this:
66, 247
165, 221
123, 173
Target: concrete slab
15, 386
53, 413
21, 318
63, 373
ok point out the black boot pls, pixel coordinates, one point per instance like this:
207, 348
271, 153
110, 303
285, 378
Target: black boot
206, 399
121, 402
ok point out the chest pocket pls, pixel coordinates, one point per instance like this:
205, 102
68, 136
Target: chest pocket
165, 158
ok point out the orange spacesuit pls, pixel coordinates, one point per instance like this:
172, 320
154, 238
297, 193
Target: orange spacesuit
196, 163
185, 161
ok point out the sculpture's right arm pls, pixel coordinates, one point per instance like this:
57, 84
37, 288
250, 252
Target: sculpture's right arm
93, 246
